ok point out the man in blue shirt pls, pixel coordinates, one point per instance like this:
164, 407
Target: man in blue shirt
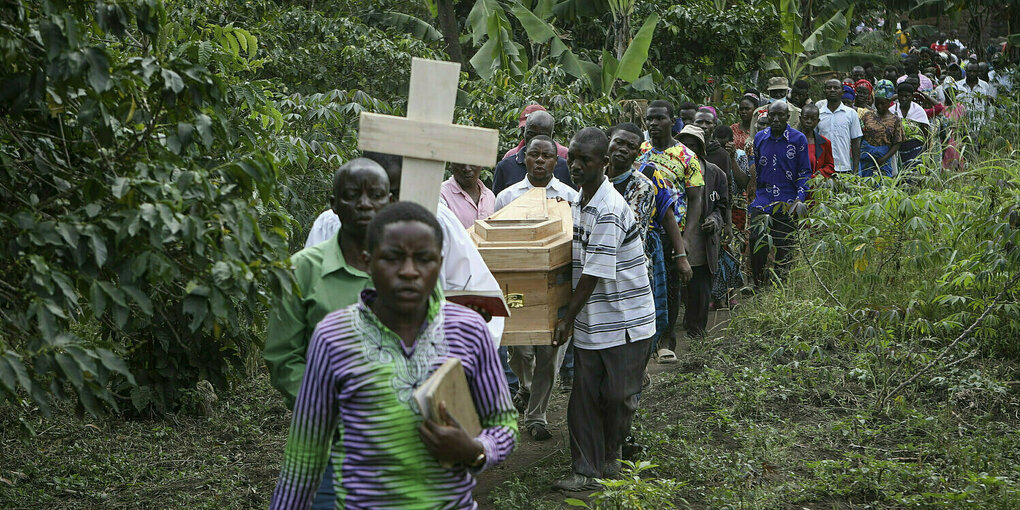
782, 168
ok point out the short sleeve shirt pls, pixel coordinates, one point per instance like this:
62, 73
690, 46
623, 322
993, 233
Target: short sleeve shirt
879, 131
607, 245
840, 127
681, 168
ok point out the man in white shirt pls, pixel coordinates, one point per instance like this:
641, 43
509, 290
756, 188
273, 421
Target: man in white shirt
535, 366
540, 167
842, 126
976, 95
463, 267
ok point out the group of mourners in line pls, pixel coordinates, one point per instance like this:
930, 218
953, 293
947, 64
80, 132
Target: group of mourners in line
662, 216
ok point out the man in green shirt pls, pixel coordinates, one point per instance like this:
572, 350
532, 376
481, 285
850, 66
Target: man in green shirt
329, 275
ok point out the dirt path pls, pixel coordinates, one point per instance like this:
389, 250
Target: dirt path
530, 453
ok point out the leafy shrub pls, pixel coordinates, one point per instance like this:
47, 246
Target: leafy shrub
139, 215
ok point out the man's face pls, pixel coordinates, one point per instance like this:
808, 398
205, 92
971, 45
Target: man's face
808, 120
659, 122
798, 97
857, 73
778, 93
955, 72
540, 160
983, 68
538, 125
911, 66
624, 148
465, 175
833, 90
869, 71
687, 115
973, 73
587, 163
404, 265
360, 195
778, 119
891, 74
705, 122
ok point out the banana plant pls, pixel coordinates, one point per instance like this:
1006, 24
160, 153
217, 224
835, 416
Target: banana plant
824, 49
600, 77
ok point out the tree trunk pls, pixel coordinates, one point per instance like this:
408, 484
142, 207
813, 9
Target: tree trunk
451, 32
621, 24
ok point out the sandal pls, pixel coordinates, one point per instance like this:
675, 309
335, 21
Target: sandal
666, 357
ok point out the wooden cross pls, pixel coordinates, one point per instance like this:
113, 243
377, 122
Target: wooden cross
427, 137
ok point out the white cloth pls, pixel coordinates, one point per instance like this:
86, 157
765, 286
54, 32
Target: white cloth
916, 113
840, 127
555, 188
462, 269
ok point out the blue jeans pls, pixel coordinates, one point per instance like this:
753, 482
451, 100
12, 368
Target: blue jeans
511, 377
325, 497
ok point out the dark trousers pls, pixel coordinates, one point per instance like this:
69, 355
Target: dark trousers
778, 229
602, 403
697, 295
511, 378
668, 339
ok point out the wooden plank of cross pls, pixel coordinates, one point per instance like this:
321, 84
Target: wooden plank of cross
427, 138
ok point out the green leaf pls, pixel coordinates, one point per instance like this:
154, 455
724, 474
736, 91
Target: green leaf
539, 31
172, 81
636, 55
99, 69
98, 248
203, 124
140, 298
70, 369
97, 299
121, 186
406, 23
253, 45
7, 377
115, 364
16, 364
115, 294
644, 84
197, 308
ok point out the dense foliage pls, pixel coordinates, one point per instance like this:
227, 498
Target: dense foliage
140, 215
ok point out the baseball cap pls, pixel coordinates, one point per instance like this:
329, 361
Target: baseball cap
528, 110
778, 83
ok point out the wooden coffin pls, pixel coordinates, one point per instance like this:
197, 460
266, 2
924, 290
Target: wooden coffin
527, 246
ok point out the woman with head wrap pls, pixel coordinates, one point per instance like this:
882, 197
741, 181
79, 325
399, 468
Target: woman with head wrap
883, 133
849, 96
864, 92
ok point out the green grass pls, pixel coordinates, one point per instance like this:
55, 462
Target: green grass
782, 412
230, 460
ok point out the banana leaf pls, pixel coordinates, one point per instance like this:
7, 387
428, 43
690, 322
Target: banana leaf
636, 55
406, 23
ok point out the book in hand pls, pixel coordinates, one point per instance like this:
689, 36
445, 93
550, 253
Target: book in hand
491, 301
449, 384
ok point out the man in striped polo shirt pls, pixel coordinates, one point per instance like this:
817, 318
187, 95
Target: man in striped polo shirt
611, 313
